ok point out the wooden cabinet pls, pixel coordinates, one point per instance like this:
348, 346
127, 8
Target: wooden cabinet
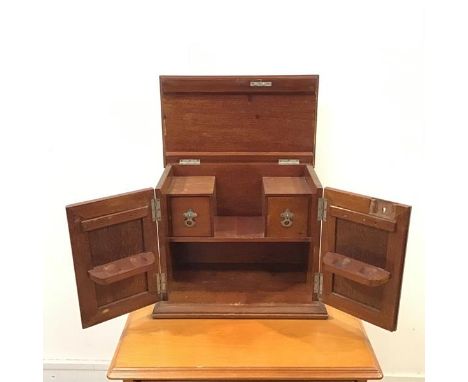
239, 224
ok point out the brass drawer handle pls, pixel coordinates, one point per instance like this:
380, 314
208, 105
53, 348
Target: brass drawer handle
189, 218
287, 218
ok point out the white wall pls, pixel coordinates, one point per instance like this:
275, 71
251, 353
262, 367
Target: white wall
96, 67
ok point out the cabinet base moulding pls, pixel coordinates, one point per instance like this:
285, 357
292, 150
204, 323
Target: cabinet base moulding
315, 310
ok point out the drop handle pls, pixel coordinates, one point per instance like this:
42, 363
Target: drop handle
287, 218
189, 218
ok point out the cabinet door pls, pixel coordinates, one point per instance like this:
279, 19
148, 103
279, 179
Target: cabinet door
114, 246
362, 256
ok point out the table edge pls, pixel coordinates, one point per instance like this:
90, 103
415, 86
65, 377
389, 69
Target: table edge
248, 373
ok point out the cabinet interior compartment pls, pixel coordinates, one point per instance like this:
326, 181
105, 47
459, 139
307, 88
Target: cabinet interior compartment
239, 263
239, 202
239, 273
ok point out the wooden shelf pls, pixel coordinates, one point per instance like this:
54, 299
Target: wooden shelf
122, 269
192, 186
238, 229
362, 273
285, 185
240, 284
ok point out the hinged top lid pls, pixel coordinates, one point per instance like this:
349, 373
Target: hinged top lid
239, 118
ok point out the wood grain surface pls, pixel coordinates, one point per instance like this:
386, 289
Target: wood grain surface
202, 206
192, 185
370, 231
108, 235
221, 115
249, 349
285, 185
276, 205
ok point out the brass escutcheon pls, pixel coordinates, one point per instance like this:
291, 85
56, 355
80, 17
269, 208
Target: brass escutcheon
287, 218
189, 218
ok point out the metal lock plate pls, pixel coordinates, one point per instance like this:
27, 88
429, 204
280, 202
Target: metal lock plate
382, 208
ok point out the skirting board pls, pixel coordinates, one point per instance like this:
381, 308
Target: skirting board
75, 371
95, 371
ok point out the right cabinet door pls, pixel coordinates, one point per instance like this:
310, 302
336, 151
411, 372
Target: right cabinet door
362, 256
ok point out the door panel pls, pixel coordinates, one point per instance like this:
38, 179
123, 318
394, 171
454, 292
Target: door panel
114, 246
362, 256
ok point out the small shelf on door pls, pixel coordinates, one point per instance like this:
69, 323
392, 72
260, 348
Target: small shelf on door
355, 270
238, 229
122, 269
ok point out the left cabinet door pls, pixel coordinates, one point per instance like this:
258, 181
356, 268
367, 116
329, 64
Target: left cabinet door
114, 246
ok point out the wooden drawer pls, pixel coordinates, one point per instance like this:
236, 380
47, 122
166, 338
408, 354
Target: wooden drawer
286, 206
191, 216
287, 216
191, 205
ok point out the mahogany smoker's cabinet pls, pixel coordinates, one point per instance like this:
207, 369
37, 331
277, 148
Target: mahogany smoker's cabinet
239, 224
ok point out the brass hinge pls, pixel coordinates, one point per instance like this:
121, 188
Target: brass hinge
288, 161
189, 162
322, 209
156, 209
261, 83
318, 283
161, 283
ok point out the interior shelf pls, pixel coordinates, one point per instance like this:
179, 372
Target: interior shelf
238, 229
213, 283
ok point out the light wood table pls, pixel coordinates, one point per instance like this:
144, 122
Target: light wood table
247, 349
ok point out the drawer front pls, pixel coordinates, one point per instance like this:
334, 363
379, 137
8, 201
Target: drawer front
287, 216
191, 216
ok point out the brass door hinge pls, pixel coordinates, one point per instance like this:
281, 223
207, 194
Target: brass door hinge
189, 162
288, 161
261, 83
322, 209
318, 283
156, 209
161, 283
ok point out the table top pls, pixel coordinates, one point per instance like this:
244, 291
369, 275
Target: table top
222, 349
